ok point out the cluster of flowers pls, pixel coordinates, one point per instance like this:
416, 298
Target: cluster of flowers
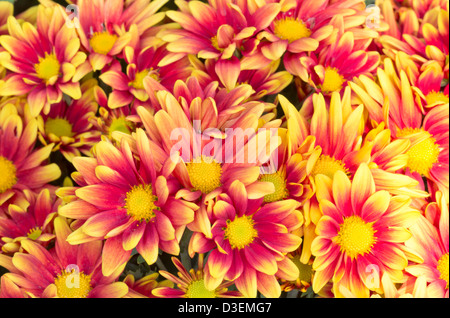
224, 148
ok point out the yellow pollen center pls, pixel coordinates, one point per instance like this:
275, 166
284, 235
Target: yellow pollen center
279, 181
59, 127
8, 174
442, 267
138, 82
355, 237
73, 284
423, 155
197, 289
291, 29
120, 124
47, 67
240, 232
205, 174
34, 233
305, 270
332, 80
436, 97
103, 42
328, 166
215, 43
140, 203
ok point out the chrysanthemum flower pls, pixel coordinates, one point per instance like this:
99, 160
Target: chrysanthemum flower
106, 29
265, 81
64, 272
22, 165
330, 69
391, 99
191, 284
360, 227
143, 287
429, 88
249, 243
129, 200
110, 120
29, 217
430, 241
44, 61
216, 29
429, 40
128, 88
69, 127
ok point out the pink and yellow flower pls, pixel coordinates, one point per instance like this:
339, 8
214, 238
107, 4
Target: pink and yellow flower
430, 241
360, 227
23, 166
128, 88
40, 273
249, 243
216, 29
69, 127
43, 61
126, 196
106, 29
29, 217
191, 284
143, 287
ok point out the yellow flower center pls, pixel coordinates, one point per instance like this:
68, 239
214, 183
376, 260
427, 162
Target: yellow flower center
423, 155
47, 67
442, 267
59, 127
240, 232
291, 29
436, 97
34, 233
138, 82
197, 289
120, 124
305, 270
215, 43
102, 42
205, 174
73, 284
279, 181
355, 236
8, 174
332, 81
140, 203
328, 166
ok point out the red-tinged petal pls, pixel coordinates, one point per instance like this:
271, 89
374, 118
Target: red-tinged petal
167, 292
112, 157
119, 98
133, 235
89, 256
342, 194
268, 285
224, 210
287, 270
228, 72
327, 227
257, 190
148, 246
71, 89
79, 210
9, 289
86, 166
164, 227
113, 255
394, 234
325, 261
246, 283
275, 50
107, 175
37, 177
178, 212
322, 278
98, 61
117, 80
66, 252
303, 45
33, 269
236, 268
375, 206
363, 186
114, 290
100, 224
103, 196
261, 259
391, 256
219, 263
